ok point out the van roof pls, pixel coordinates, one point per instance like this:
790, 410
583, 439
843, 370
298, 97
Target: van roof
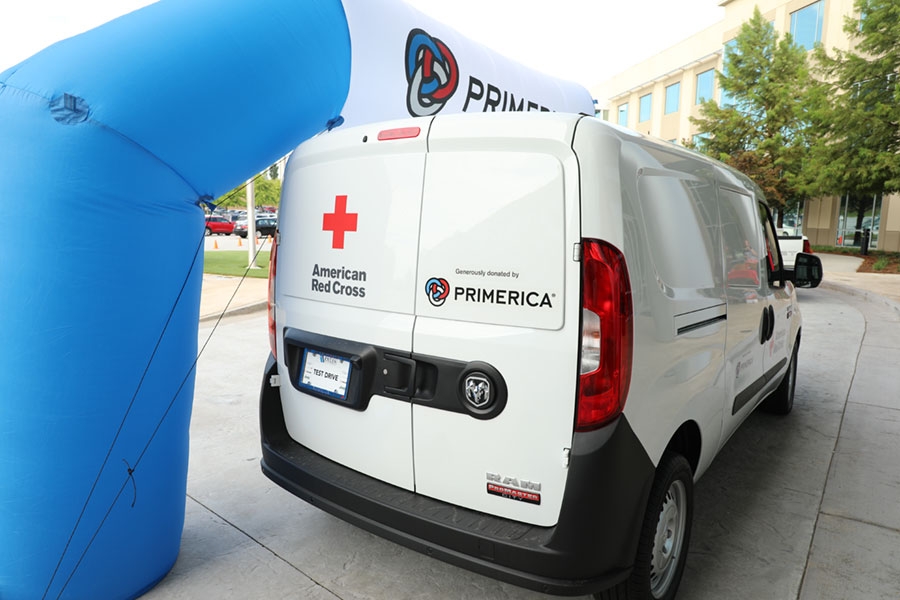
549, 125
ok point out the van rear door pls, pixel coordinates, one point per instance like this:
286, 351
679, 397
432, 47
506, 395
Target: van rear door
346, 288
497, 295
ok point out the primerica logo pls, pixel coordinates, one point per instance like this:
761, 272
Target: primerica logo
439, 290
431, 73
432, 76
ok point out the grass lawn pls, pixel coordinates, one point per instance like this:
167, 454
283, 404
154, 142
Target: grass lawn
234, 263
881, 262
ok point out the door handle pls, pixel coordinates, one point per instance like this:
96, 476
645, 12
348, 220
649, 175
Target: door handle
766, 325
400, 376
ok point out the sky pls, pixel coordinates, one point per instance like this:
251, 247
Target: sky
587, 41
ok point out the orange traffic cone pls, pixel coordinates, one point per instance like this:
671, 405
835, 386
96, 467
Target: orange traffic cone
239, 242
215, 244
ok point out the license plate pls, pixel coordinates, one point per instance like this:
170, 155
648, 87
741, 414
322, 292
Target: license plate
325, 373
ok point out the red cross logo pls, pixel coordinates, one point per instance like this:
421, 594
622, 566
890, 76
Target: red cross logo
339, 222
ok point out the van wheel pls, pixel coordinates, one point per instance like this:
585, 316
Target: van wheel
781, 402
665, 534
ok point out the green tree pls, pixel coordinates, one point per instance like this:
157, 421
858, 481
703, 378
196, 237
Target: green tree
266, 192
859, 145
764, 126
235, 198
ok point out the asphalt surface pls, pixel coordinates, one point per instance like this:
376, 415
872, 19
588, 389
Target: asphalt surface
801, 507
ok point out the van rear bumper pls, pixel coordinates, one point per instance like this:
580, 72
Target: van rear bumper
591, 548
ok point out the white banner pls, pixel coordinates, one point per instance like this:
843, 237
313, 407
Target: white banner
407, 64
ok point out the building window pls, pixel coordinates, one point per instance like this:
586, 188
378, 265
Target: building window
673, 94
806, 25
705, 82
623, 115
644, 112
858, 213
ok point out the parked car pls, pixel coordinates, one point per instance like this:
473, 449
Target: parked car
218, 225
509, 341
265, 226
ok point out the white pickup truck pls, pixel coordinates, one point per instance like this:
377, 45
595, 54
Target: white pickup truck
791, 241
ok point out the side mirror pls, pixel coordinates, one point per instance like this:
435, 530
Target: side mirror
807, 270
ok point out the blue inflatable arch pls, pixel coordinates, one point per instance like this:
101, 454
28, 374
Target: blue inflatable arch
116, 136
107, 139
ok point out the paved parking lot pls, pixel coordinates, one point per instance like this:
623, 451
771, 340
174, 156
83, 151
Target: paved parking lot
803, 506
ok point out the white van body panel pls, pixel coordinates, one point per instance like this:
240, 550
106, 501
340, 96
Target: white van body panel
527, 442
481, 231
384, 429
505, 212
341, 288
598, 159
451, 249
500, 226
635, 189
380, 188
501, 219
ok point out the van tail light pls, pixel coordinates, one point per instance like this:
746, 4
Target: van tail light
607, 336
806, 247
270, 304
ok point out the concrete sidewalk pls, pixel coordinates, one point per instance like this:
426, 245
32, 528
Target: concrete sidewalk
840, 274
802, 508
225, 296
855, 551
231, 296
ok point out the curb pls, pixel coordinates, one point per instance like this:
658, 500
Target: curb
240, 310
860, 293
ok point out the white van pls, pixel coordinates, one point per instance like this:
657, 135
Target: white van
514, 341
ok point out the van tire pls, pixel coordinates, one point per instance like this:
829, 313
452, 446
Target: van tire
670, 510
781, 402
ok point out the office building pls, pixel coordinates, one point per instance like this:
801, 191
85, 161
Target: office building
659, 95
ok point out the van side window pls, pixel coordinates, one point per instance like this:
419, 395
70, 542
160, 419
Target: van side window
680, 212
742, 243
773, 253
